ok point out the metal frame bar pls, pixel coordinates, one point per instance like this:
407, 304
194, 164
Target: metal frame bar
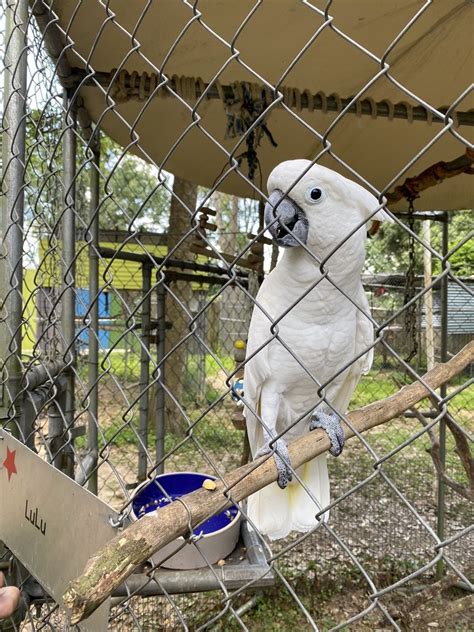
39, 374
144, 372
86, 469
11, 264
160, 395
93, 339
441, 496
110, 253
61, 416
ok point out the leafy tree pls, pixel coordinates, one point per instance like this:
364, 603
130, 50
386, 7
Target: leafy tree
388, 250
134, 194
460, 227
138, 198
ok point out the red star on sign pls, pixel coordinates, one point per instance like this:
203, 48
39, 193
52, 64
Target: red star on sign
9, 463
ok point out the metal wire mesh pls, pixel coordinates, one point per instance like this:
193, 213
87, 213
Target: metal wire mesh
124, 296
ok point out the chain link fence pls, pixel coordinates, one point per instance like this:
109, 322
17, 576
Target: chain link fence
134, 246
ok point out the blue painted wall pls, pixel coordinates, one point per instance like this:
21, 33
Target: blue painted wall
82, 305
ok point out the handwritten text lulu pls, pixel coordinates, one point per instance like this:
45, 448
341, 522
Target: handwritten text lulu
32, 516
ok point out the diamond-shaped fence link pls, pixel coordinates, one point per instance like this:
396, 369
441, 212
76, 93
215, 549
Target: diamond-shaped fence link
136, 143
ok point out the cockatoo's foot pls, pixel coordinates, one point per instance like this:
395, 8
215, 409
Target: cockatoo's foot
332, 425
282, 461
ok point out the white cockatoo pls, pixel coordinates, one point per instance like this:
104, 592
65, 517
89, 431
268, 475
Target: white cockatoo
307, 330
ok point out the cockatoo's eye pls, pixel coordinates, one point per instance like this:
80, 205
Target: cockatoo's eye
314, 195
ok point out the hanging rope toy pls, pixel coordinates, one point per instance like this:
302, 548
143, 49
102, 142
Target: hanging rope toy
242, 111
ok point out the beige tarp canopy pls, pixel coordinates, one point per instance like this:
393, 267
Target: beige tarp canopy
433, 60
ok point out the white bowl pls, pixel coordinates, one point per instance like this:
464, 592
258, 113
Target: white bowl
216, 538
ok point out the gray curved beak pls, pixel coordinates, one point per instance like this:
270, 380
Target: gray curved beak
291, 227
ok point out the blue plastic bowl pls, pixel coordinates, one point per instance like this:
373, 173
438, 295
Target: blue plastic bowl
219, 534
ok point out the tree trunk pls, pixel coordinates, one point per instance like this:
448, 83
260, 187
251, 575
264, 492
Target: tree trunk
183, 203
227, 226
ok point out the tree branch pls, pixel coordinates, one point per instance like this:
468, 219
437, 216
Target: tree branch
466, 491
407, 611
462, 450
414, 611
437, 613
110, 566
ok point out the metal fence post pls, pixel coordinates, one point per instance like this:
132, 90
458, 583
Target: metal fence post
13, 181
160, 396
201, 332
441, 501
93, 353
61, 423
144, 371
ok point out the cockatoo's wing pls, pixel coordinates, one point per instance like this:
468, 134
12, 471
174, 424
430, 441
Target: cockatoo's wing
342, 393
314, 474
365, 333
257, 372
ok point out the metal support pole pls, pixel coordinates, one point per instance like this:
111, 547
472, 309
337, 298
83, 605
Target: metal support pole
428, 296
68, 303
144, 372
39, 374
160, 395
93, 355
201, 352
441, 506
13, 180
86, 468
56, 432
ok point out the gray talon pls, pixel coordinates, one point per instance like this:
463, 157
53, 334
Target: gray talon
332, 425
282, 460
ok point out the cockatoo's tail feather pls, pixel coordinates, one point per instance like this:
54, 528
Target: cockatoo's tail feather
276, 512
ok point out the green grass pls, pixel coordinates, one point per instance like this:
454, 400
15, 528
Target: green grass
374, 386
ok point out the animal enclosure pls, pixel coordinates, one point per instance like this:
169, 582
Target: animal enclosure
137, 139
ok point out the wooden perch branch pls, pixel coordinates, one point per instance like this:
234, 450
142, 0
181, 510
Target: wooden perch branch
435, 174
110, 566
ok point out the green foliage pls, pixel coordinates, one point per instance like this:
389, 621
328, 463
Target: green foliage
43, 177
388, 250
136, 194
462, 259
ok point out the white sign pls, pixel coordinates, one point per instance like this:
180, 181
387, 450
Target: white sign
50, 523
